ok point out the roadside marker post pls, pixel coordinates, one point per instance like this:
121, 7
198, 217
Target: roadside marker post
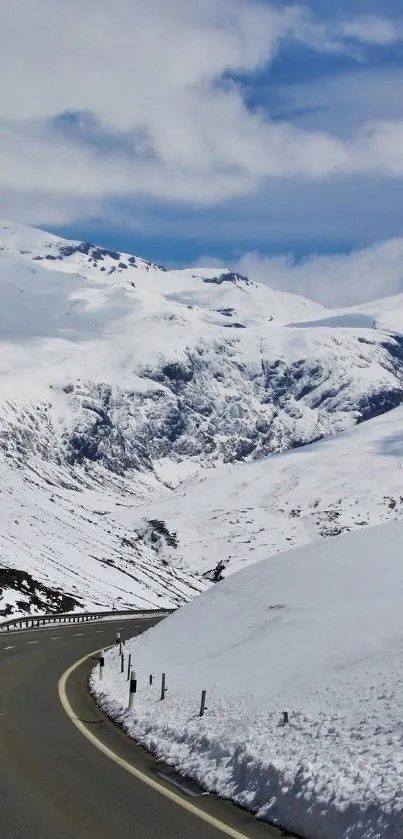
133, 688
101, 665
163, 686
129, 665
203, 703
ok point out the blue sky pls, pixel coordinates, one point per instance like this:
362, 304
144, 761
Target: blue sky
297, 217
313, 90
184, 133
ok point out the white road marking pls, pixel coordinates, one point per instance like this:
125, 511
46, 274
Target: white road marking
11, 647
137, 773
78, 633
32, 642
97, 631
56, 638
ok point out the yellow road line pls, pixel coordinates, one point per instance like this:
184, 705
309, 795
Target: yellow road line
141, 776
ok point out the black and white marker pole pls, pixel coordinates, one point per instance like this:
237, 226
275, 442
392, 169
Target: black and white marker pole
133, 688
202, 703
129, 666
122, 663
118, 638
101, 665
163, 686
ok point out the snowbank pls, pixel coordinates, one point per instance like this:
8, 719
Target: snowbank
316, 632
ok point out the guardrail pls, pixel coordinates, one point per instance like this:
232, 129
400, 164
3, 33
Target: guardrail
35, 621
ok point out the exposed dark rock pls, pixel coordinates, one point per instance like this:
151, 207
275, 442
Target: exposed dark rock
34, 595
227, 277
159, 528
216, 574
227, 312
374, 404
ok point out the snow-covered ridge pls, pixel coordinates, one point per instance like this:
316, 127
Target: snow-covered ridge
71, 255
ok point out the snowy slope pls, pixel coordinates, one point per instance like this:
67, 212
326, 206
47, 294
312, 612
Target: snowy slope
123, 379
241, 513
316, 632
61, 546
385, 313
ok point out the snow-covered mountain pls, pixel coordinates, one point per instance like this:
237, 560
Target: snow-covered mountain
122, 363
119, 380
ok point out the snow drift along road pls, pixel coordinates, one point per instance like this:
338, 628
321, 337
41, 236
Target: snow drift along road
316, 631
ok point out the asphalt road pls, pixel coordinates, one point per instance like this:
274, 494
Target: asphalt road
54, 784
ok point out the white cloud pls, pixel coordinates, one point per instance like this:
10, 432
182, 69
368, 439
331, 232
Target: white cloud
372, 29
152, 74
342, 103
336, 280
57, 209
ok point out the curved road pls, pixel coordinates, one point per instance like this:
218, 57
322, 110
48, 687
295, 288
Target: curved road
54, 784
